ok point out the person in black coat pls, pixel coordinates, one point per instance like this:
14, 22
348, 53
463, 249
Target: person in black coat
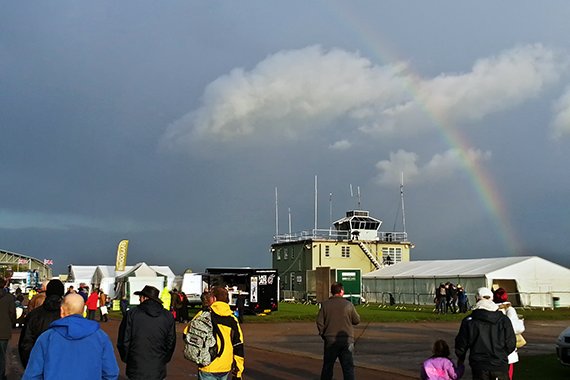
182, 315
39, 319
7, 321
489, 337
147, 337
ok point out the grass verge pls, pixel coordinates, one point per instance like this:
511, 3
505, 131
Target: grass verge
293, 312
540, 367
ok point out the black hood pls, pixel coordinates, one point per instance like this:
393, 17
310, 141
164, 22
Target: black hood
52, 303
487, 316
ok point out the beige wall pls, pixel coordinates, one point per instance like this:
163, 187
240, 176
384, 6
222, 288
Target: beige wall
357, 258
305, 256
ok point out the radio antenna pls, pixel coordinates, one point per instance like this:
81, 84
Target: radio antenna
276, 214
402, 199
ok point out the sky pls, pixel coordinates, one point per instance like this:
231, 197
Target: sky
172, 124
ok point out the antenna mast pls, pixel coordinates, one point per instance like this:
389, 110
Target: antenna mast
315, 202
276, 214
402, 198
330, 213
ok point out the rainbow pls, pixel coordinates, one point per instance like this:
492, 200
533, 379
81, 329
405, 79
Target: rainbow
479, 177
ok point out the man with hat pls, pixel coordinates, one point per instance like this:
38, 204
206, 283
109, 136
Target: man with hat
39, 319
147, 337
489, 337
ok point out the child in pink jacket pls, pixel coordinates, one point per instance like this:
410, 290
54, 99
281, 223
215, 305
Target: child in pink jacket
439, 366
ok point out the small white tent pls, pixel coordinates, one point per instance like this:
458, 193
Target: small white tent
105, 276
529, 281
80, 274
136, 278
104, 279
166, 271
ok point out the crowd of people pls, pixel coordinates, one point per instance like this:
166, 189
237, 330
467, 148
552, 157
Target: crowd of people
179, 305
450, 298
488, 334
60, 338
60, 330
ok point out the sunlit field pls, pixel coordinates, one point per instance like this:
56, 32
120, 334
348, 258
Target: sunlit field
291, 312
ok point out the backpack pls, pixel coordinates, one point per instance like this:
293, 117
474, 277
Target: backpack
200, 341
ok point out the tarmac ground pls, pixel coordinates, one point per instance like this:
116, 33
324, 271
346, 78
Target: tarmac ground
293, 351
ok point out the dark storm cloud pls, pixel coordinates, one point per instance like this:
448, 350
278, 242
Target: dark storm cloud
89, 90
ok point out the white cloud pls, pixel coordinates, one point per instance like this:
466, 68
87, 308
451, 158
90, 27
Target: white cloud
392, 169
292, 93
493, 84
440, 166
287, 93
340, 145
561, 123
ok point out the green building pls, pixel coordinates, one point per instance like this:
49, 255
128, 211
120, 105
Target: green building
356, 242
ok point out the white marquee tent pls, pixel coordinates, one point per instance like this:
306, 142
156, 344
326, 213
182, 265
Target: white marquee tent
104, 276
104, 279
80, 274
529, 281
138, 276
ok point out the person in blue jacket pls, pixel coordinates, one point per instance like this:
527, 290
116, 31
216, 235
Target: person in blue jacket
72, 348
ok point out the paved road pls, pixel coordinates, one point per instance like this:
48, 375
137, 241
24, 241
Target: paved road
293, 351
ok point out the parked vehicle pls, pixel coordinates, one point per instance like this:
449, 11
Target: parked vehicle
24, 281
257, 288
563, 347
193, 285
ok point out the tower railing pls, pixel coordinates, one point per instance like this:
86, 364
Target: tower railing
335, 235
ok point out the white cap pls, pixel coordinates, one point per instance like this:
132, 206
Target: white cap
484, 293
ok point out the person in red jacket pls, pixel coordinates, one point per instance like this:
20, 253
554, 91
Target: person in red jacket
92, 304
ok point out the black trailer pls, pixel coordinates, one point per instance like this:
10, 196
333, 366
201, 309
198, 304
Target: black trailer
257, 289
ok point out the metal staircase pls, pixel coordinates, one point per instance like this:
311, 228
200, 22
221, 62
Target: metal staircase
369, 255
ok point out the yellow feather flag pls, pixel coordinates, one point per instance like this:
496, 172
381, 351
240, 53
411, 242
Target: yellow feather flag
122, 251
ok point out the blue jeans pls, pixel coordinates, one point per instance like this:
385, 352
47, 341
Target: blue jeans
342, 351
212, 376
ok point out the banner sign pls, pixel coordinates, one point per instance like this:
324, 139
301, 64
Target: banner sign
122, 251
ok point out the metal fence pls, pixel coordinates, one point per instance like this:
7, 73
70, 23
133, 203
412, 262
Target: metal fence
290, 295
527, 299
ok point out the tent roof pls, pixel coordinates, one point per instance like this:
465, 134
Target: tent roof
82, 272
164, 270
449, 268
142, 269
107, 270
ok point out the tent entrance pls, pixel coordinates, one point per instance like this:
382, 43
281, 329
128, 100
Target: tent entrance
511, 287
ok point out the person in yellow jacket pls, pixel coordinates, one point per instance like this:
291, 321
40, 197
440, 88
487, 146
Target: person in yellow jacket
165, 298
229, 339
